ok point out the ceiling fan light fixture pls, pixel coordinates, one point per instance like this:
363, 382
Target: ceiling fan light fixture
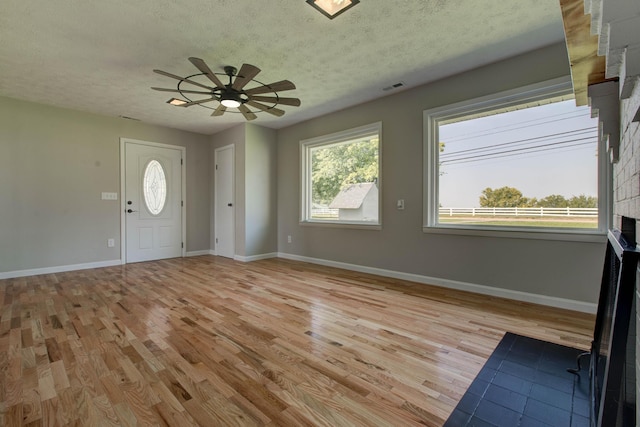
230, 100
231, 95
230, 103
332, 8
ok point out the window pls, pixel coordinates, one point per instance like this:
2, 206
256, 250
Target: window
341, 177
154, 187
521, 161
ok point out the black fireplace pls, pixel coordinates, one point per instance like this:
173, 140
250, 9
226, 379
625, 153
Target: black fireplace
612, 356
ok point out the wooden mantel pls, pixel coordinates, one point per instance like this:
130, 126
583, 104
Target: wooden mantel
587, 67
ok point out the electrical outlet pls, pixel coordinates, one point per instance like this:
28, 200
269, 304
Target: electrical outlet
111, 243
289, 239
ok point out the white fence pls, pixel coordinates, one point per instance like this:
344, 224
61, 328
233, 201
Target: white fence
541, 212
451, 212
324, 213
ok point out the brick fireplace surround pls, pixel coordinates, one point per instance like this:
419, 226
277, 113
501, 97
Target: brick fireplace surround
617, 104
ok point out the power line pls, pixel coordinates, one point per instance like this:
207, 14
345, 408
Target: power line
575, 132
487, 163
530, 147
505, 128
518, 151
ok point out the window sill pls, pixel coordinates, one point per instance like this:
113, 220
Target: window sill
587, 236
353, 225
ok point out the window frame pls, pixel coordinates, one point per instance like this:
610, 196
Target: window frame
556, 88
306, 146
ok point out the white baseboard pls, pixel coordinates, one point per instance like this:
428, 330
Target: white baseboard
550, 301
199, 253
58, 269
235, 257
255, 257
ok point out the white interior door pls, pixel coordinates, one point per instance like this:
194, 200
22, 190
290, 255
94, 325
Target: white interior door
224, 209
153, 202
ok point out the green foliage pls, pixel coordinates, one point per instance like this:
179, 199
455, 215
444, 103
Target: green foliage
558, 201
509, 197
583, 201
337, 166
504, 197
553, 201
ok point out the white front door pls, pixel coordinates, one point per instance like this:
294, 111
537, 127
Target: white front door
224, 204
153, 202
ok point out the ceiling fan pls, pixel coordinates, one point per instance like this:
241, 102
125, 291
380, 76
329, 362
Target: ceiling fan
240, 93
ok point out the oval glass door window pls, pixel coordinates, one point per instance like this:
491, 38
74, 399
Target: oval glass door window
154, 187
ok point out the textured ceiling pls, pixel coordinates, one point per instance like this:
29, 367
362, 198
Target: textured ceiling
98, 56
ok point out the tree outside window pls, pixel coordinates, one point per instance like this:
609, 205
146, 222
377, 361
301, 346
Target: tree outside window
524, 160
341, 176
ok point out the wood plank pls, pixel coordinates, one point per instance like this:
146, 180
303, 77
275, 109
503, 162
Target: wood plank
587, 67
207, 340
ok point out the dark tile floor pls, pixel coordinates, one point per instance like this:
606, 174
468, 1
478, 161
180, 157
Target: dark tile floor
525, 383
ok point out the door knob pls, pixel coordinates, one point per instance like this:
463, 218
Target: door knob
130, 211
229, 204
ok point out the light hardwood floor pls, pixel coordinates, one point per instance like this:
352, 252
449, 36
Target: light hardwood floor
212, 342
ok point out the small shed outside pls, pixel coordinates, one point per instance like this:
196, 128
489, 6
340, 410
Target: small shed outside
357, 202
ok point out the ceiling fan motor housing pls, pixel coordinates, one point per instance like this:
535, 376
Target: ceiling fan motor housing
230, 71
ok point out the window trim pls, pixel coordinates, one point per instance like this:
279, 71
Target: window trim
528, 94
305, 175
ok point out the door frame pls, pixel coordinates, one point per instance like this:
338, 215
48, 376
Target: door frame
232, 147
123, 208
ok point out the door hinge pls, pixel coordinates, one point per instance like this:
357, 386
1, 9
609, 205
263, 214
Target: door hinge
181, 162
216, 167
182, 245
182, 203
216, 240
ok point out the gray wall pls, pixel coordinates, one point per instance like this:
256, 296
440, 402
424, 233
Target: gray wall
54, 164
255, 187
560, 269
261, 186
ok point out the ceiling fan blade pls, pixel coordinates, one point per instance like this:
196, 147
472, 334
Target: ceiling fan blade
184, 79
219, 111
202, 66
271, 110
162, 89
245, 75
277, 100
246, 113
280, 86
200, 101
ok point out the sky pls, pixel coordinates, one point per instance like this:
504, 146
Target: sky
541, 151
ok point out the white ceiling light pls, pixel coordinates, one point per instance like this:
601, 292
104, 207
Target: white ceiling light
176, 101
332, 8
230, 100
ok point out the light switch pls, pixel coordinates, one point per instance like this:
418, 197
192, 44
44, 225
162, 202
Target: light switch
109, 196
400, 204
